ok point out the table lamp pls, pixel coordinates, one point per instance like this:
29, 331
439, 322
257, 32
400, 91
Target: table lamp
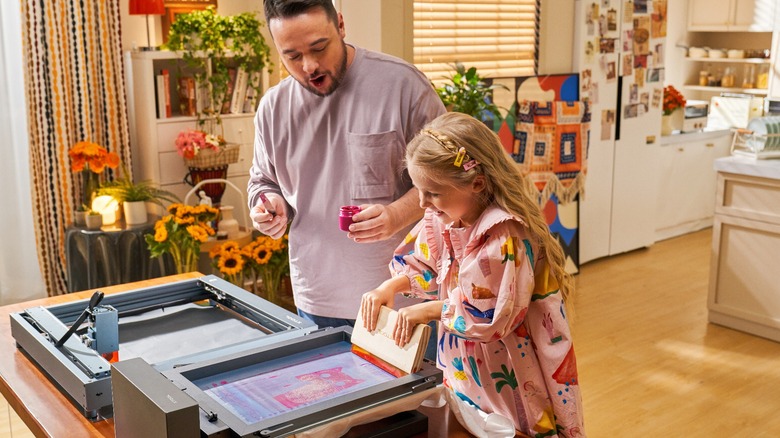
108, 207
147, 8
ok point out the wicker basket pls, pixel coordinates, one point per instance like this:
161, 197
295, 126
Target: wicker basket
208, 158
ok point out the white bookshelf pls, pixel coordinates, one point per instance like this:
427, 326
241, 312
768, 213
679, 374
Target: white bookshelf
153, 139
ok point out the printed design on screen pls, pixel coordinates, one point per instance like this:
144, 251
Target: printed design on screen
277, 387
317, 385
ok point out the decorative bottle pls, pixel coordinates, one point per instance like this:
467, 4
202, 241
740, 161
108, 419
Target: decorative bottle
227, 222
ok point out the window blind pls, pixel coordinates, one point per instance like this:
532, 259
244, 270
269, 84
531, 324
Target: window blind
498, 37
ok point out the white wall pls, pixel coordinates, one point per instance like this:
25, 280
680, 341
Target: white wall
676, 35
556, 37
380, 25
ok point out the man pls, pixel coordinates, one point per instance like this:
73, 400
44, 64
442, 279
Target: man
334, 134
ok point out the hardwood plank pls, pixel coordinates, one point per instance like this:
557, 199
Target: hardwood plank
650, 362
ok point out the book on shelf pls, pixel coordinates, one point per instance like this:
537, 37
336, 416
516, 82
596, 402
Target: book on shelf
187, 97
159, 96
225, 109
239, 91
380, 344
167, 91
251, 96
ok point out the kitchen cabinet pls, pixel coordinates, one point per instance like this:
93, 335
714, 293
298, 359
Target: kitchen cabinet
153, 139
731, 15
744, 291
686, 183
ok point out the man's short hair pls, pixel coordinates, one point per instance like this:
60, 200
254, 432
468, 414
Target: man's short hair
291, 8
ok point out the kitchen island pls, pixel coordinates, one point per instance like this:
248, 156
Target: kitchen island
744, 290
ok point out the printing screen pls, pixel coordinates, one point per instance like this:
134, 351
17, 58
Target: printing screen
176, 331
279, 386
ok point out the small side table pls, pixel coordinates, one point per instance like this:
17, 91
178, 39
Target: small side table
114, 254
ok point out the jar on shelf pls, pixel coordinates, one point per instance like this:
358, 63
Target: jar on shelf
762, 77
749, 76
713, 80
704, 77
728, 79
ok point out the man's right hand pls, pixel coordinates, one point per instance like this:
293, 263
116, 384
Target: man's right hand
271, 225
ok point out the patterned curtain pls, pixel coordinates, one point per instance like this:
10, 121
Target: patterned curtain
75, 91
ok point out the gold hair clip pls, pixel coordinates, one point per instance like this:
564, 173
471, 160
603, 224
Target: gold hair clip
459, 157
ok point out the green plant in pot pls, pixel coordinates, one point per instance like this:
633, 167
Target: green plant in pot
468, 93
212, 44
134, 196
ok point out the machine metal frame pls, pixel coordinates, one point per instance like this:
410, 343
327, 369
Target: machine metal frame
85, 376
216, 419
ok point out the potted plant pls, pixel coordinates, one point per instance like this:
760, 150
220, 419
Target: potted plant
134, 196
93, 219
212, 44
468, 93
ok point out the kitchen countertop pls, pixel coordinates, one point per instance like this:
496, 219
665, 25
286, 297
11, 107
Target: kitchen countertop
749, 166
682, 137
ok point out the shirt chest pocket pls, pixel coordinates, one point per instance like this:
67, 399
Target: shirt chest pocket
375, 165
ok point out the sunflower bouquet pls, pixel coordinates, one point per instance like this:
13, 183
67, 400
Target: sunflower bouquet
264, 259
180, 234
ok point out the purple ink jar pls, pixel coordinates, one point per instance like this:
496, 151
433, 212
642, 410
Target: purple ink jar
345, 216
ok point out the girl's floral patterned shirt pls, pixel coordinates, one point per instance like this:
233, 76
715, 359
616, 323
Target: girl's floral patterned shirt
504, 342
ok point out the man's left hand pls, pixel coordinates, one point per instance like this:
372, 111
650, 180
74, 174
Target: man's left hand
375, 222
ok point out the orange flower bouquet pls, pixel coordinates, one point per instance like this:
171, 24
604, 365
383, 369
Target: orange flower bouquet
91, 160
673, 100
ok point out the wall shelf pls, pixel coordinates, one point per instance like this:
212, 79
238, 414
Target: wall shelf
756, 91
734, 60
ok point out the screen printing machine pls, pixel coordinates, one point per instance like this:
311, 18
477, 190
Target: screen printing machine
203, 357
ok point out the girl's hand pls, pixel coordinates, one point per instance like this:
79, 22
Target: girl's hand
371, 302
409, 317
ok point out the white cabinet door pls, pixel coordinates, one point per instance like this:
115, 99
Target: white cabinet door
753, 15
687, 184
731, 15
709, 14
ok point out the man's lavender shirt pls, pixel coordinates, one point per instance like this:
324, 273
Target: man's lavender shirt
344, 149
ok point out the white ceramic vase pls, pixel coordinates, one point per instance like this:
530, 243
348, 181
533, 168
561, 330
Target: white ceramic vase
667, 125
135, 212
227, 222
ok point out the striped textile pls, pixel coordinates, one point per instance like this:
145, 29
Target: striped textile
75, 91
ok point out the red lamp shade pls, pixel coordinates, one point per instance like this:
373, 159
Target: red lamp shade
147, 7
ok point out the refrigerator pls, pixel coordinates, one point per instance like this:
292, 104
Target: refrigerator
619, 54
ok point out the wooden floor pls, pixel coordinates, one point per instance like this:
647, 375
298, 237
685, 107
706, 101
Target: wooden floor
650, 364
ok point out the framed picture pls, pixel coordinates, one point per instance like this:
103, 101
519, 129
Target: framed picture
174, 8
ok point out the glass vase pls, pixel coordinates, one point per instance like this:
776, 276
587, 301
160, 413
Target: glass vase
271, 280
90, 182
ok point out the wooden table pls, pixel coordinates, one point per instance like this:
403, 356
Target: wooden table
40, 404
47, 412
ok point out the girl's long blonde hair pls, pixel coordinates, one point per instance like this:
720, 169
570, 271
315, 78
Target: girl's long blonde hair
435, 149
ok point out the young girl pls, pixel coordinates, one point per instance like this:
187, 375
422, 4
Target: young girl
494, 277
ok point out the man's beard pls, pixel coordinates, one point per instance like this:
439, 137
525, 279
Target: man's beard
335, 79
